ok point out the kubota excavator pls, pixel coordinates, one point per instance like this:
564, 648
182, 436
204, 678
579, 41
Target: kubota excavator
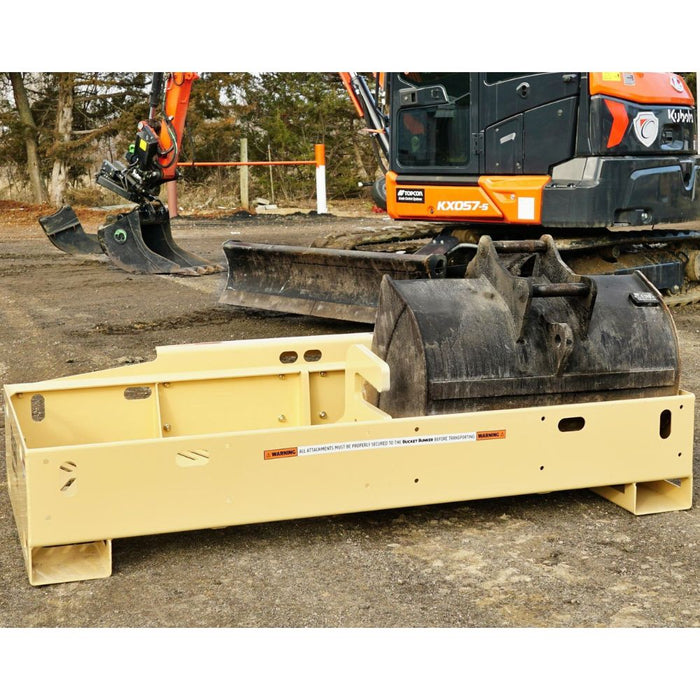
597, 160
141, 240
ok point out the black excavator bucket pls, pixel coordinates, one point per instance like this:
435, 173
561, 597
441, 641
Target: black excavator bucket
522, 329
142, 242
65, 231
325, 282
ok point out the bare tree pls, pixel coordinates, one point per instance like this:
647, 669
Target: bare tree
62, 137
30, 135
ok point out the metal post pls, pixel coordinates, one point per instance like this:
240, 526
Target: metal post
245, 203
272, 184
320, 155
171, 188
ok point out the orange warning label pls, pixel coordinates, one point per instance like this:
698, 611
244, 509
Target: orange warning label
491, 435
281, 453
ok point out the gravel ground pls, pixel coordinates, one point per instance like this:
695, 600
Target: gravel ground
566, 560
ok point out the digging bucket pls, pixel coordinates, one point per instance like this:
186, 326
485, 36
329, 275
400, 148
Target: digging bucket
521, 329
141, 241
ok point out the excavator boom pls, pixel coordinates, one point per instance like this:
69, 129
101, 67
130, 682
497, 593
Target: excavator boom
140, 241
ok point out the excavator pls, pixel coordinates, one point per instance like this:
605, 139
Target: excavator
141, 240
493, 369
605, 163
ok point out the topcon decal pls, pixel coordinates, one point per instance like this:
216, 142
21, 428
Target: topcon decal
410, 196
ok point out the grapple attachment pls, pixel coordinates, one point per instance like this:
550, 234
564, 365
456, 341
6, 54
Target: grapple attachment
141, 241
65, 231
325, 282
522, 330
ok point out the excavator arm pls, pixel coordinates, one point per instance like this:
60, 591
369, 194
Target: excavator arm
140, 241
153, 157
368, 108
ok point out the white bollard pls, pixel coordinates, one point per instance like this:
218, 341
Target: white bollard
320, 154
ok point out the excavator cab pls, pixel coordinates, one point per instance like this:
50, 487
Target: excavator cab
432, 115
564, 150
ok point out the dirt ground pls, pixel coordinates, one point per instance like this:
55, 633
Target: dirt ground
564, 560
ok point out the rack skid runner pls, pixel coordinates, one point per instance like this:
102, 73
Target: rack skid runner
222, 434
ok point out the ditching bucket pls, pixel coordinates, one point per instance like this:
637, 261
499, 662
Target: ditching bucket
65, 231
141, 241
325, 282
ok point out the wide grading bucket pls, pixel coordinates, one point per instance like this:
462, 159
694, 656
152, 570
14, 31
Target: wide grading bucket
521, 329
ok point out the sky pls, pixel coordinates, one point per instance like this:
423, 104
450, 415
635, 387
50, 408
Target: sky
323, 35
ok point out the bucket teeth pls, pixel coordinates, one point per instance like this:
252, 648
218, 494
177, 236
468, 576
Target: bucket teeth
198, 270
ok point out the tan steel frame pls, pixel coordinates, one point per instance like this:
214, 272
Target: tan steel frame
223, 434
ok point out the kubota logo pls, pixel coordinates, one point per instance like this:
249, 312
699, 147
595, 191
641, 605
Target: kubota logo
680, 115
463, 205
646, 128
677, 83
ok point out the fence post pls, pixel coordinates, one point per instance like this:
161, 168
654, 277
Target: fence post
245, 203
171, 189
320, 156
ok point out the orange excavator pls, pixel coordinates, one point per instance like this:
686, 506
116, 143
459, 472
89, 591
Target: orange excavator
597, 160
141, 240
